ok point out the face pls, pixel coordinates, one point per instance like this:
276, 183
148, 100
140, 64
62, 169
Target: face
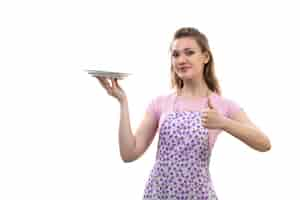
187, 59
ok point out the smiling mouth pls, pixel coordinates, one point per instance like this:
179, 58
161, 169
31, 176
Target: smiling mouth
184, 68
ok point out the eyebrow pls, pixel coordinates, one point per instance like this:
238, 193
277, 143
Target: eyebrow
183, 49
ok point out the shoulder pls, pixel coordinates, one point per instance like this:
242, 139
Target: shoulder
160, 103
164, 98
227, 105
222, 100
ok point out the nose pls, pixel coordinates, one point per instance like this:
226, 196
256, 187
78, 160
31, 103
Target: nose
181, 59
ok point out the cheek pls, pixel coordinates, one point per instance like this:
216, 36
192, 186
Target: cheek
199, 63
173, 61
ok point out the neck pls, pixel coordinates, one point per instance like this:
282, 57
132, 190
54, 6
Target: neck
195, 89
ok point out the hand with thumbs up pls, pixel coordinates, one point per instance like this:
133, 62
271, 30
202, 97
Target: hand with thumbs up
211, 118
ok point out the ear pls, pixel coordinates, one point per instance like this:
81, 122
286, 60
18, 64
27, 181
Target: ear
206, 57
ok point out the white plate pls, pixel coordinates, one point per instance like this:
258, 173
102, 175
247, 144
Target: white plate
108, 74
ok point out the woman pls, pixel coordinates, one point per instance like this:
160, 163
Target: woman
188, 121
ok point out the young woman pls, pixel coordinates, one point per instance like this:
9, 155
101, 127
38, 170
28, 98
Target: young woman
188, 122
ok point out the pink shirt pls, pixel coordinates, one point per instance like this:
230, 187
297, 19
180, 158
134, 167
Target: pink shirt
162, 105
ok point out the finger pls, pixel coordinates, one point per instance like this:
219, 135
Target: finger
117, 84
203, 122
104, 83
113, 83
205, 110
102, 79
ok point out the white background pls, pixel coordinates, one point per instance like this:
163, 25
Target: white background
58, 127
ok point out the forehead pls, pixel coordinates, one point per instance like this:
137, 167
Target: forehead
184, 43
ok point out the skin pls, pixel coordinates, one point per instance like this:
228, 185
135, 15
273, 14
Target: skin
188, 61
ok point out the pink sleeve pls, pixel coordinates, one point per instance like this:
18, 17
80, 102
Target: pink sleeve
232, 107
228, 108
154, 107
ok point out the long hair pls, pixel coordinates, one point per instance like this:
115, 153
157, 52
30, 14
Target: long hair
209, 68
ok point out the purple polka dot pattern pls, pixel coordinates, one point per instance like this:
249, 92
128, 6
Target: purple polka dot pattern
181, 170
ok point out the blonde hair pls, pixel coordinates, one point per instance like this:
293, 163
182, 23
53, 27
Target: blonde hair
209, 68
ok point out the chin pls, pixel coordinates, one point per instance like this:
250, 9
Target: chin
185, 76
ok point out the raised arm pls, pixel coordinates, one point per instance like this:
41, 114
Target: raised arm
131, 146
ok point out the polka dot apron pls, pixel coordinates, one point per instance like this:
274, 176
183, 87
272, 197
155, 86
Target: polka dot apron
181, 169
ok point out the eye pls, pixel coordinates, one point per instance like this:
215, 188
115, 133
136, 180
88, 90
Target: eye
189, 52
175, 54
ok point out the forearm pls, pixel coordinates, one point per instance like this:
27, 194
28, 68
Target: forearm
126, 138
248, 134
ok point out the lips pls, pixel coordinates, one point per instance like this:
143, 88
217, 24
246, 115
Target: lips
184, 68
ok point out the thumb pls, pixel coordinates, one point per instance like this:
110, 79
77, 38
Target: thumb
209, 103
117, 84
